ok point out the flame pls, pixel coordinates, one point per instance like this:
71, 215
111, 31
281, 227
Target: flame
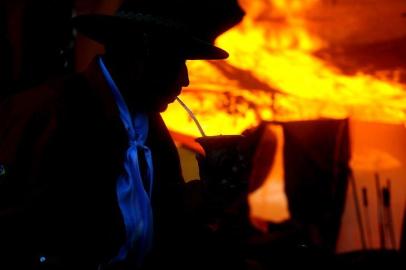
272, 74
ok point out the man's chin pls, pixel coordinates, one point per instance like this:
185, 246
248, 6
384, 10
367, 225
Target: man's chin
153, 106
162, 107
157, 107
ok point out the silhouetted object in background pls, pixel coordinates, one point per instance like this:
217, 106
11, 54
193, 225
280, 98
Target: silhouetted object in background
47, 41
36, 43
316, 156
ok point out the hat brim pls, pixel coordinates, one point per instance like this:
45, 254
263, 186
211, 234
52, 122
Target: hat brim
106, 29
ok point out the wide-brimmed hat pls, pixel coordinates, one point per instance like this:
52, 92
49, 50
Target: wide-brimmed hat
189, 25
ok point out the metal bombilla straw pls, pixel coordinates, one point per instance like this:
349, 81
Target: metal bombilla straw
192, 116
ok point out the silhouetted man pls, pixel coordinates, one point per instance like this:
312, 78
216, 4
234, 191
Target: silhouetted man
89, 176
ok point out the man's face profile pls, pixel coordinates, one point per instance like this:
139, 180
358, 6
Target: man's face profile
165, 76
152, 76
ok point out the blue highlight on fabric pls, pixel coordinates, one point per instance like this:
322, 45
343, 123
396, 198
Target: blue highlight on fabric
2, 170
133, 198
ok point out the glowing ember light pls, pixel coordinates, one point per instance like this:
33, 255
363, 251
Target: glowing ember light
272, 75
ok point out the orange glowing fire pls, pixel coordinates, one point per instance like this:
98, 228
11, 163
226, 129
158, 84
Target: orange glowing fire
271, 74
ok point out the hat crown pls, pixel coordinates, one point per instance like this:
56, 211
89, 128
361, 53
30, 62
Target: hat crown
205, 19
149, 19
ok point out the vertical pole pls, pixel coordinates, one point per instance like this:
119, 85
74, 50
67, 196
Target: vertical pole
389, 215
380, 211
367, 216
358, 210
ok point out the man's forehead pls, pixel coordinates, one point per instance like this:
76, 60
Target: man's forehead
165, 43
155, 44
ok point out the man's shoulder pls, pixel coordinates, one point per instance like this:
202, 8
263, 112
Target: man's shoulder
41, 97
32, 111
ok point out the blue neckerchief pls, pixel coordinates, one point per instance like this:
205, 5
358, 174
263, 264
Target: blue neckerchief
134, 201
